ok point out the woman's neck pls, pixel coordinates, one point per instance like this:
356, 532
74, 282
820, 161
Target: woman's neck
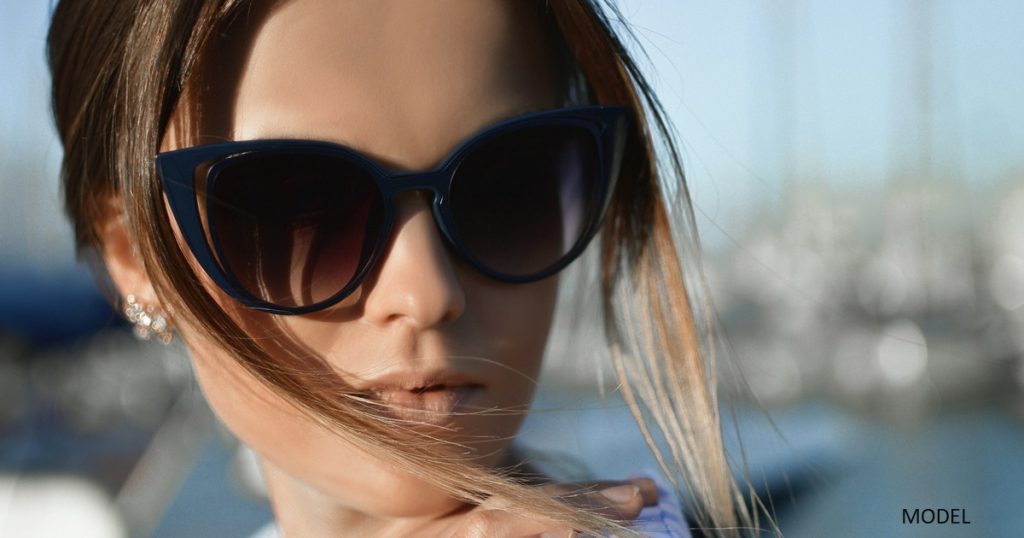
301, 510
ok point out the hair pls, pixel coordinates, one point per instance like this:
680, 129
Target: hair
120, 69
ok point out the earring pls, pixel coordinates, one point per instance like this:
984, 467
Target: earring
148, 321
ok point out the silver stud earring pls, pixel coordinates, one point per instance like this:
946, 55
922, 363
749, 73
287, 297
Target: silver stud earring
149, 321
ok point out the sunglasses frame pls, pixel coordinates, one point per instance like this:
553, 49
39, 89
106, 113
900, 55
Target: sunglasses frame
177, 171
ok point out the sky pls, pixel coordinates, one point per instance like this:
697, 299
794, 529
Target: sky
764, 95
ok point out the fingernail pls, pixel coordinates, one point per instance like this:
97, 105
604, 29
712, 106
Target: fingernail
621, 494
648, 490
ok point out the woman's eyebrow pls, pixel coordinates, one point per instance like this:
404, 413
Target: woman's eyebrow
517, 108
512, 110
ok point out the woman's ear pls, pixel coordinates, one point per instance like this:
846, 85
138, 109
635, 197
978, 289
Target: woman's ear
121, 256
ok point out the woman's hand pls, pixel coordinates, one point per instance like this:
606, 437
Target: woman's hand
621, 501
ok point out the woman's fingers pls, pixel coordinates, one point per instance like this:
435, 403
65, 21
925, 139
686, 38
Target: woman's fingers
648, 490
621, 501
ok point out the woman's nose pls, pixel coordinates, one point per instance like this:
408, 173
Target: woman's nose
416, 278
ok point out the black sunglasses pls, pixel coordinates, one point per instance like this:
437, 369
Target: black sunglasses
293, 226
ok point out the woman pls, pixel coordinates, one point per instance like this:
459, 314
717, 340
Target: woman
355, 223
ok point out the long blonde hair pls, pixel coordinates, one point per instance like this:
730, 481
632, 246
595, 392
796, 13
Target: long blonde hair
120, 69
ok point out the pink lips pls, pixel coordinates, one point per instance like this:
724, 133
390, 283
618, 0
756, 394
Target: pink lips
437, 404
431, 397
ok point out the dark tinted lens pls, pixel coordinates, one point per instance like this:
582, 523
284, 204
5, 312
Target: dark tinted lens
292, 229
524, 198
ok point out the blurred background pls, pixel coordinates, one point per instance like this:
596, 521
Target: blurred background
858, 177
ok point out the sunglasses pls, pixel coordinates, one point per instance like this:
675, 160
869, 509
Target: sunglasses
294, 226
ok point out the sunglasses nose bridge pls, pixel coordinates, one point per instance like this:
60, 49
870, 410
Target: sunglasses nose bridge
433, 182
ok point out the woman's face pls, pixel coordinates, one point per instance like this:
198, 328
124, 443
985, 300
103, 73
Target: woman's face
403, 82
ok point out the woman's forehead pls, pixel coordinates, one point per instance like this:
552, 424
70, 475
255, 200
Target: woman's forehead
404, 81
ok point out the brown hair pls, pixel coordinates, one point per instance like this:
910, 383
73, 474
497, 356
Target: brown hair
112, 108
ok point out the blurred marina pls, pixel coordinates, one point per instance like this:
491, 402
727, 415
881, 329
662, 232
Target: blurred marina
889, 302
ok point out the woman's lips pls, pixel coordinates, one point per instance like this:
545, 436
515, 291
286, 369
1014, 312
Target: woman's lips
435, 404
427, 396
